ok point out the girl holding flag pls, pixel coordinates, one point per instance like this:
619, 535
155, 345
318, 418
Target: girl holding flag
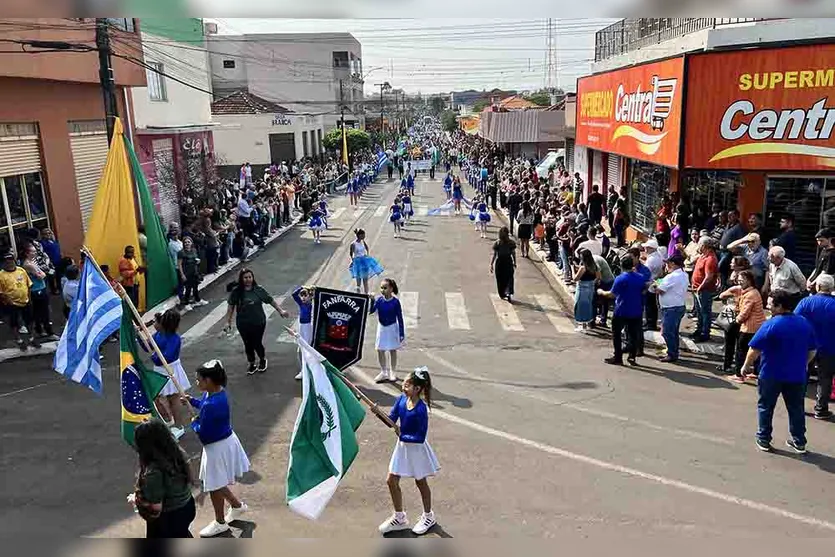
303, 296
413, 457
169, 343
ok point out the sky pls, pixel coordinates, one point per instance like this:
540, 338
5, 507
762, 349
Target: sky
442, 55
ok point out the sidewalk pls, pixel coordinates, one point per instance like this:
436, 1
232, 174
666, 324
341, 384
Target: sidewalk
50, 347
566, 293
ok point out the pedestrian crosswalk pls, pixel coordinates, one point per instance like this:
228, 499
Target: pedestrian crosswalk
383, 211
508, 317
456, 311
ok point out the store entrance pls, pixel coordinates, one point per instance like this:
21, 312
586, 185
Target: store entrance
811, 199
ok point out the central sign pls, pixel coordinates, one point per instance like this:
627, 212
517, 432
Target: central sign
634, 112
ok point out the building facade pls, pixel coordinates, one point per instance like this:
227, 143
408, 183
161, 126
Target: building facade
53, 140
310, 74
747, 126
260, 132
173, 121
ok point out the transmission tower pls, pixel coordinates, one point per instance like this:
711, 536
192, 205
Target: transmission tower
551, 65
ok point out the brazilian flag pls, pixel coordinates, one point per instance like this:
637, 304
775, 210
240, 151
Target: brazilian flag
139, 385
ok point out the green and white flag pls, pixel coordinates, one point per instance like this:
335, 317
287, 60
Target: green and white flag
324, 442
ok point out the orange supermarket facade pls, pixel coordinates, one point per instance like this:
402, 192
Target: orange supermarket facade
750, 129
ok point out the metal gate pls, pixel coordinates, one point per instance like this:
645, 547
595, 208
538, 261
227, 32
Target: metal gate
806, 198
282, 148
613, 177
569, 156
89, 153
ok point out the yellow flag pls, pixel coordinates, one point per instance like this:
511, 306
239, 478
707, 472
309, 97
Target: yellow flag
113, 223
344, 145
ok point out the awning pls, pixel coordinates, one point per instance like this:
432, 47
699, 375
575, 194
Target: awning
530, 126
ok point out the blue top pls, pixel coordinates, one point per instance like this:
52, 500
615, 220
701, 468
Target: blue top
785, 341
389, 312
483, 173
169, 344
410, 181
414, 423
629, 295
819, 311
406, 199
482, 207
316, 214
644, 271
394, 209
323, 205
214, 423
53, 250
403, 183
448, 180
305, 308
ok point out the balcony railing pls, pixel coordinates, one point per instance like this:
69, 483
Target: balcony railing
628, 35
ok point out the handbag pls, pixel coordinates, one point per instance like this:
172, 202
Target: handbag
726, 318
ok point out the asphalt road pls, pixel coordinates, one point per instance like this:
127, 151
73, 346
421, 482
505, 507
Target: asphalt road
536, 436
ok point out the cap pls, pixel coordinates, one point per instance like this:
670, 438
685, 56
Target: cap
825, 233
652, 243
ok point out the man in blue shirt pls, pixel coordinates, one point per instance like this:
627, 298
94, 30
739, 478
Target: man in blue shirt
628, 292
785, 345
646, 273
819, 310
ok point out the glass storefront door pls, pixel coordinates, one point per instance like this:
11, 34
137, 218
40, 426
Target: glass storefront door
22, 206
811, 199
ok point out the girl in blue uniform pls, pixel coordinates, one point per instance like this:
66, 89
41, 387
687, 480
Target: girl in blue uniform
413, 457
316, 224
224, 459
323, 207
391, 331
448, 185
408, 210
410, 182
169, 343
352, 189
363, 266
396, 216
303, 296
457, 195
483, 218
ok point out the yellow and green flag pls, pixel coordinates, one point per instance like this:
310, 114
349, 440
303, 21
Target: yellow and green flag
139, 385
344, 145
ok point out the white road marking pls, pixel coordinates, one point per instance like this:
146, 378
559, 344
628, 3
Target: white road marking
421, 210
548, 304
336, 214
611, 466
409, 303
381, 210
204, 325
506, 314
10, 393
521, 390
456, 311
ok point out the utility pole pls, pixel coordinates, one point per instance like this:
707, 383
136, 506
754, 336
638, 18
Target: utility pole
108, 85
382, 112
342, 122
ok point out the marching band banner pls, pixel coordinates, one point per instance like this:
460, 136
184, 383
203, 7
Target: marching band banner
339, 320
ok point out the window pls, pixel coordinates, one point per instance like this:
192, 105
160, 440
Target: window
340, 60
707, 187
228, 64
23, 206
156, 82
646, 183
304, 142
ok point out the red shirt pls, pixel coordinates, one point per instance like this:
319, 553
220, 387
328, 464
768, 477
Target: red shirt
705, 265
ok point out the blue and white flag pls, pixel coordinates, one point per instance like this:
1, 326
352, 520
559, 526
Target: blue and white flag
447, 208
382, 160
95, 315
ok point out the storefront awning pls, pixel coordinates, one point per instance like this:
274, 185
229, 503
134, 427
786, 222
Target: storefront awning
531, 126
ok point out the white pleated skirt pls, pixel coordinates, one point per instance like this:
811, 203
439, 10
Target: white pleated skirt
414, 460
222, 463
179, 373
306, 331
388, 337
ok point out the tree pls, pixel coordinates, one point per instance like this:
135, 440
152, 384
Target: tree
540, 98
357, 140
480, 105
437, 104
448, 121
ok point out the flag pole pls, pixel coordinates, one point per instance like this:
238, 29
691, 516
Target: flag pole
148, 337
373, 406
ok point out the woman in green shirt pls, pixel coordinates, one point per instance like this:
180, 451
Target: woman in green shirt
248, 299
163, 485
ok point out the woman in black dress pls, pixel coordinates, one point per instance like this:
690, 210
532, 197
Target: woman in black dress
525, 231
504, 263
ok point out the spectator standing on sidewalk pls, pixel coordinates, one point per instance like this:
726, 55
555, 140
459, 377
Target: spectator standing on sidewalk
705, 284
785, 345
672, 294
128, 271
628, 293
732, 233
749, 318
38, 295
788, 237
826, 259
15, 305
596, 203
655, 264
53, 250
784, 275
819, 310
607, 280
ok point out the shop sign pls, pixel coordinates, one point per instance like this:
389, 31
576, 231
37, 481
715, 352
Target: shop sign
282, 120
634, 112
762, 109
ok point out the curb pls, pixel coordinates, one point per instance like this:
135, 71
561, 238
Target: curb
148, 317
566, 297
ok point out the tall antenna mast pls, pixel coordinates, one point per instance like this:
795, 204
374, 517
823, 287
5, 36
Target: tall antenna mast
551, 66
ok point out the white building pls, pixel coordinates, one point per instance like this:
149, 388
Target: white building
172, 122
307, 73
261, 132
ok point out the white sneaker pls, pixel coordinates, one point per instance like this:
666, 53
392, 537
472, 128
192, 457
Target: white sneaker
395, 523
188, 308
235, 514
382, 377
24, 331
427, 521
215, 528
391, 376
202, 303
299, 376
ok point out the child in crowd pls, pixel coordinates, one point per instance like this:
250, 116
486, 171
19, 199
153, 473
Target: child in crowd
413, 457
69, 292
303, 296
